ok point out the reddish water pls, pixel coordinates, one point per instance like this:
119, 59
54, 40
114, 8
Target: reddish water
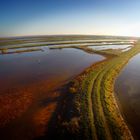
28, 88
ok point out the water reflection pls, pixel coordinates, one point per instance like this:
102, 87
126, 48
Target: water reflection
127, 89
27, 79
46, 64
106, 47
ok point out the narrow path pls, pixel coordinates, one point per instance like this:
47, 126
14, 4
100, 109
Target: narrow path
102, 127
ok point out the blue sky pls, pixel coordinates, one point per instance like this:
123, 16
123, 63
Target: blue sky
41, 17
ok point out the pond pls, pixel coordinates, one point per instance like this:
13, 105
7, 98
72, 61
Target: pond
106, 47
127, 89
46, 64
27, 81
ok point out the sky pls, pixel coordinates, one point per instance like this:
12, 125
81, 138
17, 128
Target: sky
56, 17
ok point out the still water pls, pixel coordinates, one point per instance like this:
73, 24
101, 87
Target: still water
106, 47
31, 66
127, 90
27, 81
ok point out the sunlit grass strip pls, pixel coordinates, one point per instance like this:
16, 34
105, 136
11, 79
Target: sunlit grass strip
100, 119
84, 100
106, 119
117, 125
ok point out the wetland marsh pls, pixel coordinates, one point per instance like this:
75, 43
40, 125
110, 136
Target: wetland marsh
41, 76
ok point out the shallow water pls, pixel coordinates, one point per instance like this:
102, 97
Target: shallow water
27, 81
106, 47
70, 43
31, 66
127, 88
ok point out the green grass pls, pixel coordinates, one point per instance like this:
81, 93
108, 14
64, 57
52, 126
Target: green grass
95, 99
5, 51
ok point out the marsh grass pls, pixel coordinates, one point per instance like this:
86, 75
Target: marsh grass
94, 91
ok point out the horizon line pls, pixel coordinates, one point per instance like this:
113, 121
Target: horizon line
16, 36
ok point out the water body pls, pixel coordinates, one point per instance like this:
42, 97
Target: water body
127, 88
44, 64
26, 83
71, 43
106, 47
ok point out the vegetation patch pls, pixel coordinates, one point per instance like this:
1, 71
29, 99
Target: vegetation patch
95, 102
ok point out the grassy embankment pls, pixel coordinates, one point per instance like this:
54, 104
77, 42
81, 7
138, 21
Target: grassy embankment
15, 44
107, 52
63, 44
99, 116
5, 51
30, 39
